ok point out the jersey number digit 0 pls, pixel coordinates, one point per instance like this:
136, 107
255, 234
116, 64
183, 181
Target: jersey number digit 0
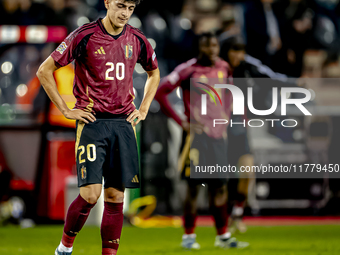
120, 71
94, 154
88, 149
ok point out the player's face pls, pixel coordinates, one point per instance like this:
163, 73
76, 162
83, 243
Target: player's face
210, 48
235, 57
119, 11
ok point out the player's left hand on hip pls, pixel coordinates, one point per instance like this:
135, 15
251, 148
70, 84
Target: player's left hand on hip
136, 114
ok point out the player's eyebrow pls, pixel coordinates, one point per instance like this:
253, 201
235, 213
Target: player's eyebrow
123, 5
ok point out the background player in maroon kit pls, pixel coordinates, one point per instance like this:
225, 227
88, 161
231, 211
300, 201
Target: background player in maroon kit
206, 65
105, 53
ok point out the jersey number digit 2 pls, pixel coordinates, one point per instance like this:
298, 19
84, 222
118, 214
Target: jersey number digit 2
88, 149
120, 71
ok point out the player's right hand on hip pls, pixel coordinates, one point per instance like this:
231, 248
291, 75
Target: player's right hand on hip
77, 114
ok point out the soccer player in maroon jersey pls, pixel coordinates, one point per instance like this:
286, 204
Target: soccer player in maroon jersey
206, 65
105, 54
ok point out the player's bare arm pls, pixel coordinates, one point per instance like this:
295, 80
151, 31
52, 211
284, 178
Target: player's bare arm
46, 78
151, 86
166, 87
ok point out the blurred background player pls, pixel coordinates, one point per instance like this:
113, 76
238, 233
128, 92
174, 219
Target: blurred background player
99, 93
199, 138
239, 153
246, 67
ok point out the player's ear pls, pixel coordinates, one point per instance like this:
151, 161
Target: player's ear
106, 2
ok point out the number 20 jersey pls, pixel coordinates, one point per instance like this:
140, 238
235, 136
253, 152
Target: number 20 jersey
104, 66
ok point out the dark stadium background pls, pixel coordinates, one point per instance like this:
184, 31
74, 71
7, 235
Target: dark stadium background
35, 156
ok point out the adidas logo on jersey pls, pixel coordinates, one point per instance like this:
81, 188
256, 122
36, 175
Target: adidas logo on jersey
135, 179
100, 51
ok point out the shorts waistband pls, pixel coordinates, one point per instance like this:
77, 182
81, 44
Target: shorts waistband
107, 115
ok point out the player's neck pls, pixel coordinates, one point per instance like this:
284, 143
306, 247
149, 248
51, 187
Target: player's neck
110, 27
204, 61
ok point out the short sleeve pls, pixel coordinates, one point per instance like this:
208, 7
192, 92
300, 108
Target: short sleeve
66, 51
147, 56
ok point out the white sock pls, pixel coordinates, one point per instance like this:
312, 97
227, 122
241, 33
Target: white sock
237, 211
185, 236
63, 248
226, 235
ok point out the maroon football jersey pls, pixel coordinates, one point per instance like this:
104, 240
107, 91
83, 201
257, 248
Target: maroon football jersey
104, 66
181, 76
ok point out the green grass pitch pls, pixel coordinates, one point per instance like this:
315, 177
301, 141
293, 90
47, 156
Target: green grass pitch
281, 240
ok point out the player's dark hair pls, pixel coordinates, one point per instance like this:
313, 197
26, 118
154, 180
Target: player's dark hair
232, 43
136, 2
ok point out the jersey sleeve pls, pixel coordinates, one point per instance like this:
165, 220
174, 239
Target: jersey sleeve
147, 56
67, 50
167, 85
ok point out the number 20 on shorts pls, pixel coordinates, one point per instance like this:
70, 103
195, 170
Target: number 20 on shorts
89, 148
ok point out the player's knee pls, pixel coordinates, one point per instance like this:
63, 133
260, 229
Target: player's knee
114, 197
220, 196
92, 198
91, 193
221, 200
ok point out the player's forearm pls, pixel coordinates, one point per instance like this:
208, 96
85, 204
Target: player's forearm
168, 111
150, 90
46, 78
162, 97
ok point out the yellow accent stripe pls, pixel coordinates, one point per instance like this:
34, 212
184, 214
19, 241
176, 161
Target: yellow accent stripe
102, 50
80, 128
134, 131
133, 98
137, 178
187, 171
90, 105
185, 152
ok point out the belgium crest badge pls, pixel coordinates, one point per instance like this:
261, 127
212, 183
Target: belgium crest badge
128, 51
83, 172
